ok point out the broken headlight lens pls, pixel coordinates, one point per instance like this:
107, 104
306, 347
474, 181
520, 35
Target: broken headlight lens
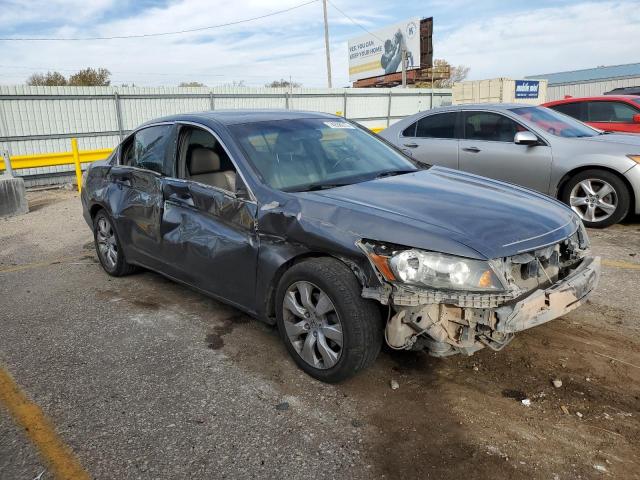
437, 270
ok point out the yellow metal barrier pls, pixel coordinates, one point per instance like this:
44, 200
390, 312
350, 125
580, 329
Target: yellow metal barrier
74, 157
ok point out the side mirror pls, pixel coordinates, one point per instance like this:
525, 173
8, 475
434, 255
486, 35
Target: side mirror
636, 118
525, 138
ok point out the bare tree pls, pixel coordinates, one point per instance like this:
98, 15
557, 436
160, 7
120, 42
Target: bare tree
90, 77
234, 83
457, 74
282, 83
192, 84
49, 79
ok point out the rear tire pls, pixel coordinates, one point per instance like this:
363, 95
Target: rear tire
108, 246
599, 197
332, 357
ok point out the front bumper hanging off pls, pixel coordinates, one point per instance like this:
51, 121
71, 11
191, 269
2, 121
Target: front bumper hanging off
544, 305
449, 324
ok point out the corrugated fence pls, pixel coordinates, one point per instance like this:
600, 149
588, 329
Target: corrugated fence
36, 120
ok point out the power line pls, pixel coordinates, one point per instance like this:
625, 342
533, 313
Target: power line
353, 21
157, 34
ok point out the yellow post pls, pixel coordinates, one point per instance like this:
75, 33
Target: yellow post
76, 161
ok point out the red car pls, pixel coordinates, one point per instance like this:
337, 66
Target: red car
613, 113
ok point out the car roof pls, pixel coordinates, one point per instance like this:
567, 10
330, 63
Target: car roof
233, 117
482, 106
623, 98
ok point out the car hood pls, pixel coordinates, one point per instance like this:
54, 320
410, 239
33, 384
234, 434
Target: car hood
448, 211
617, 138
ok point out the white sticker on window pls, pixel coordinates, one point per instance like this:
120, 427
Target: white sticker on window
338, 125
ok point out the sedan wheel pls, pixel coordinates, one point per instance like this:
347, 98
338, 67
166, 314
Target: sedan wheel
108, 246
329, 330
312, 325
106, 241
599, 197
593, 199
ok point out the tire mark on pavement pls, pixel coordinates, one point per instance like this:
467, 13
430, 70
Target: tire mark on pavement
46, 263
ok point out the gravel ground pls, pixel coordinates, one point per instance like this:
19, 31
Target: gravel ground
143, 378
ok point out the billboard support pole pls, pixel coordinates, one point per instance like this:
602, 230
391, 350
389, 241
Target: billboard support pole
404, 67
326, 42
432, 87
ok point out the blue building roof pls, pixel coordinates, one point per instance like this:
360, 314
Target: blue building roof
599, 73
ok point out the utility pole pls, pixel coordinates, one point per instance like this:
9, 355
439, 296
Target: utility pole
326, 42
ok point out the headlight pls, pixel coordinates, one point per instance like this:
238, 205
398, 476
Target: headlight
635, 158
437, 270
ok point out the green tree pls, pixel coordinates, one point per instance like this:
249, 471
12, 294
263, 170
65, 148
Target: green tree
90, 77
49, 79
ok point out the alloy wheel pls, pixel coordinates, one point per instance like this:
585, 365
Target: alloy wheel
107, 245
312, 325
593, 199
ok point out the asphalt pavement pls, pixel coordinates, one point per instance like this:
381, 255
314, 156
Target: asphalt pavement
142, 378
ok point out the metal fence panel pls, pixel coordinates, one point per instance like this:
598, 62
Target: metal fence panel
43, 119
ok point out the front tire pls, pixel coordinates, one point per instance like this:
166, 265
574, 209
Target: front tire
108, 246
599, 197
330, 331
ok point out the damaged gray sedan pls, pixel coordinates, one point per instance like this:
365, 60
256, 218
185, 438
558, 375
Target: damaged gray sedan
311, 222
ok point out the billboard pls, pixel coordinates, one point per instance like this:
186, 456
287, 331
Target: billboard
380, 53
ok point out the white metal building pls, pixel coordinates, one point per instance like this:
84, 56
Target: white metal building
591, 81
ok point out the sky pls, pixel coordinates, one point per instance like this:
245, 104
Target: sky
494, 38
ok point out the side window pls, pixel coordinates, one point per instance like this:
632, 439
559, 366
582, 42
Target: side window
441, 125
410, 131
490, 126
203, 159
575, 110
611, 112
623, 112
151, 149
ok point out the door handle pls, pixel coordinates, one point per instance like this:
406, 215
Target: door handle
122, 181
411, 145
471, 149
182, 197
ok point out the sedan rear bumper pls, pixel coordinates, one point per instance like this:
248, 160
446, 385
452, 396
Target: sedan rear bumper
544, 305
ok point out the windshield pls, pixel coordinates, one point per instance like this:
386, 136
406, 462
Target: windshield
306, 154
554, 122
636, 100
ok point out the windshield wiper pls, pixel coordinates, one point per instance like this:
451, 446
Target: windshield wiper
312, 187
391, 173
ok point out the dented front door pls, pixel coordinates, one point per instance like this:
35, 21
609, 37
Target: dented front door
209, 240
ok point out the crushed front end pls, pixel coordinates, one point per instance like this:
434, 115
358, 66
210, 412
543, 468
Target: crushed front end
450, 305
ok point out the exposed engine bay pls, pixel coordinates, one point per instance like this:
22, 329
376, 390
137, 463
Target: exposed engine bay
539, 286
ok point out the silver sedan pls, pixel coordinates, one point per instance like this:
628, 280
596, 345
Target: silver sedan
595, 172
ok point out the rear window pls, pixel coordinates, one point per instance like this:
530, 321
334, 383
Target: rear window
575, 110
150, 149
441, 125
